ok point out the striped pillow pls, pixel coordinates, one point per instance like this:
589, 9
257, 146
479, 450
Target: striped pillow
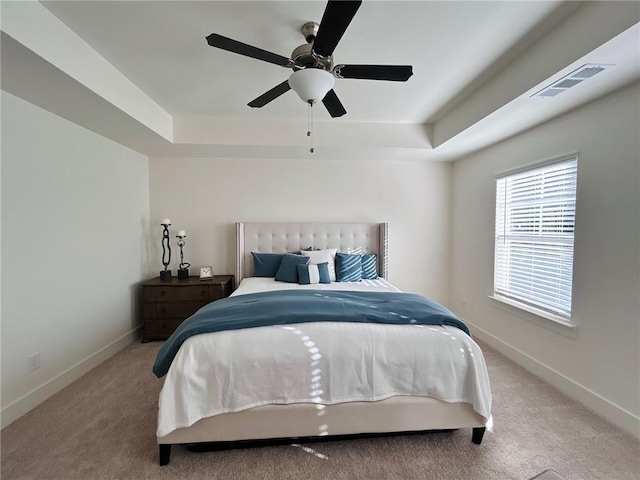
369, 266
308, 274
348, 267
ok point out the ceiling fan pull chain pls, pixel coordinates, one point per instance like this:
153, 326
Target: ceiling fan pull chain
310, 124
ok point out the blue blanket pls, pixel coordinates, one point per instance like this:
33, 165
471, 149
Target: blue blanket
301, 306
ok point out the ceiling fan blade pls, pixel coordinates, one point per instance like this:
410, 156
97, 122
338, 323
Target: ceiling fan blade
333, 104
234, 46
393, 73
272, 94
335, 20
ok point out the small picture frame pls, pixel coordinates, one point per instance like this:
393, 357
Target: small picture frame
206, 273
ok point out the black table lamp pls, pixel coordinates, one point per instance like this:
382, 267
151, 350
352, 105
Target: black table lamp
165, 275
183, 269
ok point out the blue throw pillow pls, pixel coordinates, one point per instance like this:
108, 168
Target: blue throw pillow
308, 274
369, 266
348, 267
288, 271
266, 264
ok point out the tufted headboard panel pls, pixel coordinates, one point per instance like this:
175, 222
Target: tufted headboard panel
281, 237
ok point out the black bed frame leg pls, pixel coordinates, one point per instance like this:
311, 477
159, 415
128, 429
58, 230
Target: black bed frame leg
478, 433
165, 453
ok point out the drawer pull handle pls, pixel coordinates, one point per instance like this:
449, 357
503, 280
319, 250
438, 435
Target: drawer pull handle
162, 293
202, 293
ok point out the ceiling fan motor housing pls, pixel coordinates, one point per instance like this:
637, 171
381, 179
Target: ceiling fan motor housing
304, 57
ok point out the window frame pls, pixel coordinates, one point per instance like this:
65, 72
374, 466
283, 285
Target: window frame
514, 301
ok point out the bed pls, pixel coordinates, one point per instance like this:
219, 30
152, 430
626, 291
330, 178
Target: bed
269, 383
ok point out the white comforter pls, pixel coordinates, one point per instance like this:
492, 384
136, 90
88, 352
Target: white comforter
327, 363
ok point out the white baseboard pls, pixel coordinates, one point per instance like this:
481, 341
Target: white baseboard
612, 412
35, 397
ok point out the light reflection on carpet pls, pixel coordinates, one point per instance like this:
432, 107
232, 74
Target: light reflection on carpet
310, 450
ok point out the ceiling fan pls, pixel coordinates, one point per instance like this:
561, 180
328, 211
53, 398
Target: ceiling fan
314, 72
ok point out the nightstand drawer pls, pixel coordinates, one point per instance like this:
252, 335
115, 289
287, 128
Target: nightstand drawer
166, 304
181, 294
220, 291
162, 328
171, 310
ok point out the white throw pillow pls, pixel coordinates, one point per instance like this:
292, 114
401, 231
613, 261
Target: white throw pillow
321, 256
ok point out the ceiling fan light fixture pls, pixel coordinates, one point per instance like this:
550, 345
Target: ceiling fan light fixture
311, 84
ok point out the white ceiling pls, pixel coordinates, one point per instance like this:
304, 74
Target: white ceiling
471, 60
161, 47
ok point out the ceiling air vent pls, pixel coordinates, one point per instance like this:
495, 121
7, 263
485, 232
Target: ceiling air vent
580, 75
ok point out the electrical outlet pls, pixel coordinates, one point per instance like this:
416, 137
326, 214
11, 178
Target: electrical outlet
33, 361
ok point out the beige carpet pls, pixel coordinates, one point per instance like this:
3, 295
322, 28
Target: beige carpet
103, 427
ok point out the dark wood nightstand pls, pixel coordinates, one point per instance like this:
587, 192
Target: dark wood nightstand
165, 305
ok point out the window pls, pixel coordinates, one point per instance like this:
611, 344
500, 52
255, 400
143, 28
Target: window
535, 219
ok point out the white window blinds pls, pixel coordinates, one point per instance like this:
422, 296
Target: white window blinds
535, 216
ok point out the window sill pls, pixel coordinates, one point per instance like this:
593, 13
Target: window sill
537, 316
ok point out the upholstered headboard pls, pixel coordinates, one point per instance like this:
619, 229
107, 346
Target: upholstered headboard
281, 237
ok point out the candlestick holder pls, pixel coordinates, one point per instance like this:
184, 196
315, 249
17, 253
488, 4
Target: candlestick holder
165, 275
183, 270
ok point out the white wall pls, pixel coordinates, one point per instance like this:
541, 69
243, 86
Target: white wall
600, 363
206, 196
75, 223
